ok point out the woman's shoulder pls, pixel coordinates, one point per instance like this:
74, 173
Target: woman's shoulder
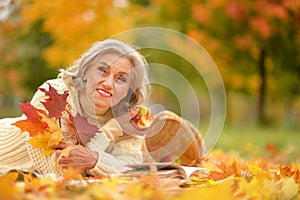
58, 84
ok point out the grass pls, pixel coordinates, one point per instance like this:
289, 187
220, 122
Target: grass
252, 142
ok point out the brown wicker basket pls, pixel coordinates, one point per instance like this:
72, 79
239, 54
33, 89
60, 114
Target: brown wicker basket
173, 139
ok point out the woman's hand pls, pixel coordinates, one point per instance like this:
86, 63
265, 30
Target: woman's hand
126, 125
79, 157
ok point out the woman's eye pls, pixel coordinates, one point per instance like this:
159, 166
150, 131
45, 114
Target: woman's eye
102, 69
122, 78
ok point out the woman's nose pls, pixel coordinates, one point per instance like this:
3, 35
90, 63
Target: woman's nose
108, 82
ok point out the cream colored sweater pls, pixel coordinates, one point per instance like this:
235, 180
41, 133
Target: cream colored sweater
114, 149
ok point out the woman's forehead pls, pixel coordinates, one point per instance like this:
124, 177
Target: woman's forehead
114, 60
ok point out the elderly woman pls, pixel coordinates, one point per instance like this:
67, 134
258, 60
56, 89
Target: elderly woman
104, 84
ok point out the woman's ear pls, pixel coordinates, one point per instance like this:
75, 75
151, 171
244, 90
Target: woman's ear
84, 79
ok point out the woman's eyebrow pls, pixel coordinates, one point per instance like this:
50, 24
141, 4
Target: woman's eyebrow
104, 63
124, 74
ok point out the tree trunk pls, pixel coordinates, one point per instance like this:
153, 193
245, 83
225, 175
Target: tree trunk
262, 89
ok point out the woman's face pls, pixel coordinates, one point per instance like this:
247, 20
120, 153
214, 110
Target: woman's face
107, 81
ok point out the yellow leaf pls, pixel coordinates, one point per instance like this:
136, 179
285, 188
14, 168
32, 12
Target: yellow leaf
288, 189
212, 182
254, 169
55, 130
106, 190
41, 141
52, 136
7, 186
218, 191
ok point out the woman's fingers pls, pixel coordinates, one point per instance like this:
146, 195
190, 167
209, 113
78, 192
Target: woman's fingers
57, 153
127, 125
60, 146
133, 112
77, 157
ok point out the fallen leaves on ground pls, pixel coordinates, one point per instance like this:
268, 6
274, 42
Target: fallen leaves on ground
228, 177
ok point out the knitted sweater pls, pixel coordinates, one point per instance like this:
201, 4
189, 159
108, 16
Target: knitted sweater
114, 149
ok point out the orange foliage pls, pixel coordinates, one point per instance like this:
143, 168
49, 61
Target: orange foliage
42, 126
262, 27
201, 14
75, 26
244, 42
237, 10
34, 123
229, 179
272, 9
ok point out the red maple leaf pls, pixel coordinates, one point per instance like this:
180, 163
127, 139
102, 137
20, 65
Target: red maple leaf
33, 124
84, 129
56, 103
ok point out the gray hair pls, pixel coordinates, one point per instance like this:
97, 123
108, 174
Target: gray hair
139, 86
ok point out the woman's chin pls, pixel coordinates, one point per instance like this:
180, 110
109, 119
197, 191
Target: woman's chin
102, 106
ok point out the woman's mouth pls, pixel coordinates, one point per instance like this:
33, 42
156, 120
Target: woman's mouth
104, 93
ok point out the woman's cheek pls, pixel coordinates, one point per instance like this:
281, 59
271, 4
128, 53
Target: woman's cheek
120, 93
123, 91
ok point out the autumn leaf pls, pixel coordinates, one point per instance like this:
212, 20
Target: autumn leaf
84, 129
288, 188
41, 187
52, 135
286, 171
42, 127
55, 130
7, 186
217, 191
56, 103
224, 171
41, 142
64, 153
297, 177
33, 124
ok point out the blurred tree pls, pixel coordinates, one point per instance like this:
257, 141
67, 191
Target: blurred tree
21, 55
31, 64
8, 53
74, 26
175, 15
254, 43
262, 33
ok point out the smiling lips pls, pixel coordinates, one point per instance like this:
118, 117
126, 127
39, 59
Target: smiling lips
104, 93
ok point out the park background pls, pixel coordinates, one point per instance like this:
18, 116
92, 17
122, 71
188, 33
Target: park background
254, 44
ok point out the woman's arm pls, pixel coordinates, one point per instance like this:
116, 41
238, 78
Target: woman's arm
102, 157
114, 156
109, 151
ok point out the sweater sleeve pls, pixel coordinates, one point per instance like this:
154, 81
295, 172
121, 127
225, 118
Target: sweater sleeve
13, 153
112, 129
114, 156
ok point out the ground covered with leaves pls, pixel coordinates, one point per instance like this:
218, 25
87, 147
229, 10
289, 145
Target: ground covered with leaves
228, 176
